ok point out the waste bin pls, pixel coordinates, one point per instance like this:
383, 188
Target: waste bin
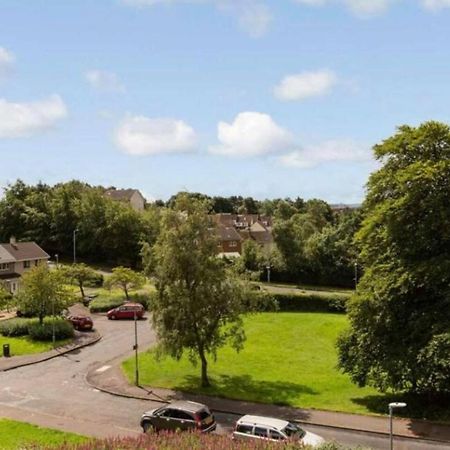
6, 353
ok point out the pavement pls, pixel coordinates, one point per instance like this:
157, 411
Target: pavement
109, 378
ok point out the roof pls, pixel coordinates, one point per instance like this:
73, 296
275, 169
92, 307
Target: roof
5, 257
9, 276
187, 405
24, 251
122, 194
228, 234
265, 421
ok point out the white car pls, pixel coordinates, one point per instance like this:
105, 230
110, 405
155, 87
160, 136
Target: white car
258, 427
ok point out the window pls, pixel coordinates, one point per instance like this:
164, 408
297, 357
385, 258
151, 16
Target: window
4, 266
181, 415
273, 434
167, 413
36, 262
262, 432
233, 244
246, 429
26, 264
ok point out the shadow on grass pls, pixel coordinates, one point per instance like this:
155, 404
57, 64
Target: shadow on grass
418, 407
244, 387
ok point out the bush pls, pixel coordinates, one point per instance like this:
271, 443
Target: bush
95, 281
104, 303
14, 327
44, 332
310, 303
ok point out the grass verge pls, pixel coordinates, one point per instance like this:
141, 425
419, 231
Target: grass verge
26, 346
16, 435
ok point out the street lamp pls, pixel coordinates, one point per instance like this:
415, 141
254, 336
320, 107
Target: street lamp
57, 259
392, 406
75, 245
135, 348
268, 273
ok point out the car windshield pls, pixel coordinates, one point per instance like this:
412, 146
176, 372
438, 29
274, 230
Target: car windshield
293, 430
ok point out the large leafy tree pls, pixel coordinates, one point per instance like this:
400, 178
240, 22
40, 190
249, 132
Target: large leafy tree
79, 274
198, 306
44, 292
400, 316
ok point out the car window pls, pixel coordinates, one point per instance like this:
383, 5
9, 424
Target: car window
167, 413
246, 429
273, 434
202, 415
177, 414
262, 432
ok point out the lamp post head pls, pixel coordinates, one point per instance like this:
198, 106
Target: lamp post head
397, 405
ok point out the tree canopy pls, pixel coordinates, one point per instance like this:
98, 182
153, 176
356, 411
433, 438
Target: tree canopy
400, 316
125, 279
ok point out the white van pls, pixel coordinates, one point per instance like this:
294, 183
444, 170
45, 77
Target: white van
257, 427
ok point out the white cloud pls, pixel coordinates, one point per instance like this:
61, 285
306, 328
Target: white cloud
25, 119
435, 5
253, 16
362, 8
251, 134
328, 151
306, 84
7, 60
140, 135
104, 81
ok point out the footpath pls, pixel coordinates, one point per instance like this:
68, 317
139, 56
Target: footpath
109, 378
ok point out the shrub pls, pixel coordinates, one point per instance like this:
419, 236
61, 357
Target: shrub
185, 441
104, 303
44, 332
311, 303
95, 281
14, 327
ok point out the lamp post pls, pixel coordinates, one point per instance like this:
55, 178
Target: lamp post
393, 406
136, 366
268, 273
75, 245
57, 260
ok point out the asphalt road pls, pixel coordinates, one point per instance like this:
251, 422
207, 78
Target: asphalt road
55, 394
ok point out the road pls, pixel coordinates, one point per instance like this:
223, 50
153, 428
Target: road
55, 394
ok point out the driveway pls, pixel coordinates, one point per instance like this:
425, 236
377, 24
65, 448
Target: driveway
55, 393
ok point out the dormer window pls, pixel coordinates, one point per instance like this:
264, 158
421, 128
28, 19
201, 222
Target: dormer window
26, 264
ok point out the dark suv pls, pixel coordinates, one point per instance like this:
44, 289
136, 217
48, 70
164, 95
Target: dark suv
182, 415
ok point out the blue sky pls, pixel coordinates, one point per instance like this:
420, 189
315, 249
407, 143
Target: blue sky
269, 98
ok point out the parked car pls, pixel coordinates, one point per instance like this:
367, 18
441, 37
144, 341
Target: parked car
181, 415
257, 427
82, 323
126, 311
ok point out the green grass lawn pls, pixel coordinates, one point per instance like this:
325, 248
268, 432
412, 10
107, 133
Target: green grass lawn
26, 346
288, 359
16, 435
306, 290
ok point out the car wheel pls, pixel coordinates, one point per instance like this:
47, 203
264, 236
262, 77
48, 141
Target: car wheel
148, 426
113, 317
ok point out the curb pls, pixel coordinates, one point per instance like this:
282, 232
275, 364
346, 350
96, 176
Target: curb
48, 357
234, 413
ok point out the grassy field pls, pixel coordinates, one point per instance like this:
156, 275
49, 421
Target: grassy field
26, 346
306, 290
16, 435
288, 359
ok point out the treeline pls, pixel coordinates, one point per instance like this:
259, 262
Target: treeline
107, 230
313, 244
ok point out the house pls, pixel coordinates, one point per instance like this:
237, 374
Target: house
230, 242
241, 221
259, 233
131, 196
17, 258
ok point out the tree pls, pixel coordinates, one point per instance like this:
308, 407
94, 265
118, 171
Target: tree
5, 298
80, 274
198, 305
126, 279
43, 292
400, 316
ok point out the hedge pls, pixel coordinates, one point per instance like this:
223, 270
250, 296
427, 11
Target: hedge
104, 303
44, 332
14, 327
310, 303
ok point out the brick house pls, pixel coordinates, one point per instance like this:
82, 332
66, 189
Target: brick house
17, 258
131, 196
230, 242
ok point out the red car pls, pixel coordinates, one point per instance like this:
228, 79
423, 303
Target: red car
81, 323
126, 311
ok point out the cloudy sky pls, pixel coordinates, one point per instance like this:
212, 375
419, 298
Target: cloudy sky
269, 98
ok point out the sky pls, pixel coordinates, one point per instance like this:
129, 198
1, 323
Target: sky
262, 98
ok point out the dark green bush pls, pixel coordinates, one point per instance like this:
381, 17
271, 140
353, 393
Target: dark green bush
310, 303
104, 303
96, 281
44, 332
14, 327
